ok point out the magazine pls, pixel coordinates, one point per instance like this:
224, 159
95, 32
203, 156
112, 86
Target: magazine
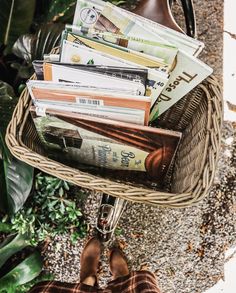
105, 17
59, 73
151, 48
132, 74
90, 14
109, 144
90, 101
117, 51
184, 77
75, 53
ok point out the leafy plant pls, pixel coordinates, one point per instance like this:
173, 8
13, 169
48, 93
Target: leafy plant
50, 212
26, 287
8, 102
33, 46
61, 10
16, 178
11, 245
22, 273
15, 17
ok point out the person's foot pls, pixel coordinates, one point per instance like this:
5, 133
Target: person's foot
89, 261
118, 264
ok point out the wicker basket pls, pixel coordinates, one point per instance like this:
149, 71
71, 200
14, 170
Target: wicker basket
198, 116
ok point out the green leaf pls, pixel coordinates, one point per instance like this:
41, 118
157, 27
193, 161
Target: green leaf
16, 178
11, 245
26, 287
66, 186
8, 101
23, 47
5, 227
15, 17
23, 273
32, 47
24, 71
62, 208
61, 10
61, 191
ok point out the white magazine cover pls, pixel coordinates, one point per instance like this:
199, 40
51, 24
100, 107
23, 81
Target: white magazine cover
187, 74
90, 101
185, 63
60, 73
189, 45
75, 53
87, 16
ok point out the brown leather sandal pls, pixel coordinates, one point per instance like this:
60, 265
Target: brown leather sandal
118, 263
89, 259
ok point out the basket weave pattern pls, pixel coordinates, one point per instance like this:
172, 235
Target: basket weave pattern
198, 116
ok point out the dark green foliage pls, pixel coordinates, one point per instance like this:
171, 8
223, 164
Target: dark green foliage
50, 211
16, 178
11, 245
15, 17
61, 10
33, 46
8, 102
23, 272
26, 287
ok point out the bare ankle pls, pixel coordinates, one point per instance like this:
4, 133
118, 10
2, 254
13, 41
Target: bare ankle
89, 281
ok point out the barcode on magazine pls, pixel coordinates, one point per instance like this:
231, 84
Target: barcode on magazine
89, 102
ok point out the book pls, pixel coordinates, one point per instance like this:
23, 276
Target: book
75, 53
151, 48
90, 14
182, 41
117, 51
108, 144
107, 17
133, 74
64, 73
187, 74
94, 102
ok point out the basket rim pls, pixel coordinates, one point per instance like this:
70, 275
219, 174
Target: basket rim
128, 191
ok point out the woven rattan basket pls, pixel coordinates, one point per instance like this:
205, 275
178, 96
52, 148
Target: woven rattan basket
198, 116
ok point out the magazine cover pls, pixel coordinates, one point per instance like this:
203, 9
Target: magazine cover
57, 73
117, 51
151, 48
133, 74
128, 23
75, 53
109, 144
97, 103
108, 17
187, 74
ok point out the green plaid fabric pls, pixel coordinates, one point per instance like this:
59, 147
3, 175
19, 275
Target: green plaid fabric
136, 282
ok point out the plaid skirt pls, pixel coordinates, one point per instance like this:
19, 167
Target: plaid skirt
135, 282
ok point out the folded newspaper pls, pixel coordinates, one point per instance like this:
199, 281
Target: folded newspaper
116, 73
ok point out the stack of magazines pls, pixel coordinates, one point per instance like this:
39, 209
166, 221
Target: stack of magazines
115, 74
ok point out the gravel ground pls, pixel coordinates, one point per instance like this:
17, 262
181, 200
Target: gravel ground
185, 248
